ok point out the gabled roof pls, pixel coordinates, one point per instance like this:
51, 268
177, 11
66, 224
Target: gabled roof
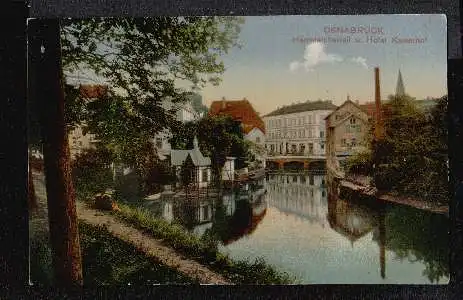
251, 129
240, 110
301, 107
344, 104
348, 116
178, 157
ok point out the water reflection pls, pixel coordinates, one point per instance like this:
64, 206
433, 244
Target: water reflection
306, 225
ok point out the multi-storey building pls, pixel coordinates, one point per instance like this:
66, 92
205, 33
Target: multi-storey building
347, 131
298, 128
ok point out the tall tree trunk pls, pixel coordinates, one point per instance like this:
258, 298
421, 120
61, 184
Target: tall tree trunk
62, 213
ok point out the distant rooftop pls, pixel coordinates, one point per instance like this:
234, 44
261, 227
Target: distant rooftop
301, 107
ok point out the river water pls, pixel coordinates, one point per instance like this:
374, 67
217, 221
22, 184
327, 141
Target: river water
303, 226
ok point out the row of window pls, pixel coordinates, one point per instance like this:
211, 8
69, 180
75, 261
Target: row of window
309, 119
293, 147
299, 133
353, 142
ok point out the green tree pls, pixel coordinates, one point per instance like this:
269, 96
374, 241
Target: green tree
142, 61
218, 137
411, 159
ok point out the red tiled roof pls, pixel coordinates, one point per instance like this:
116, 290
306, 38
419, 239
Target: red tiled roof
241, 110
93, 91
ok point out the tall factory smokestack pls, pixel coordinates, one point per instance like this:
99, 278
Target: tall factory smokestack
379, 117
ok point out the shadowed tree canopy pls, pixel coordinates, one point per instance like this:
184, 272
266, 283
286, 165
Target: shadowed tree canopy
218, 137
143, 62
412, 157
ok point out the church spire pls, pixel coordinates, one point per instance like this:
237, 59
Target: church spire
400, 89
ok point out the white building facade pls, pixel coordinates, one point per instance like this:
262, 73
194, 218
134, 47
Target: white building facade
256, 136
298, 130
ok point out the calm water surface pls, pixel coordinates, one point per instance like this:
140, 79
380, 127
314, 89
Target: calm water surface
301, 226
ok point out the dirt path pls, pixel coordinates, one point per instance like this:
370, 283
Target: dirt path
149, 245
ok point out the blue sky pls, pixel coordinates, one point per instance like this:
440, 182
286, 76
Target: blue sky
261, 70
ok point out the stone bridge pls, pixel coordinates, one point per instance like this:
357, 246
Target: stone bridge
303, 160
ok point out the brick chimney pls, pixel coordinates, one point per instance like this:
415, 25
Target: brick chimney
224, 103
379, 117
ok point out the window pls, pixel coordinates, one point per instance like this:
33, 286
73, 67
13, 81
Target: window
205, 212
257, 139
323, 194
354, 142
343, 142
322, 146
322, 134
352, 120
204, 177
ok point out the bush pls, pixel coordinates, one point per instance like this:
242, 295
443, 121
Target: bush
91, 172
360, 163
158, 174
387, 176
108, 260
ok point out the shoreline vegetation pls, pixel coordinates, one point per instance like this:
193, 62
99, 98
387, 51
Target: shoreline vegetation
203, 250
408, 162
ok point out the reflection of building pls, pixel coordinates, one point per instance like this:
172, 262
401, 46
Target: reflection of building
346, 133
354, 221
301, 195
298, 128
201, 164
245, 221
228, 171
349, 220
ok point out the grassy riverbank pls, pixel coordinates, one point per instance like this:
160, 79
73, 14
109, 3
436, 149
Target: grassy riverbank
202, 250
106, 260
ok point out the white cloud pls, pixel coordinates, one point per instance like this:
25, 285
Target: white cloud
361, 61
314, 55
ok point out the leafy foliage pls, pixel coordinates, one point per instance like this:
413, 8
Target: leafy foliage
91, 172
142, 61
360, 163
218, 137
412, 158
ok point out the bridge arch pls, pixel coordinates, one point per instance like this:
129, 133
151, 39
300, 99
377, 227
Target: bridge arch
293, 164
